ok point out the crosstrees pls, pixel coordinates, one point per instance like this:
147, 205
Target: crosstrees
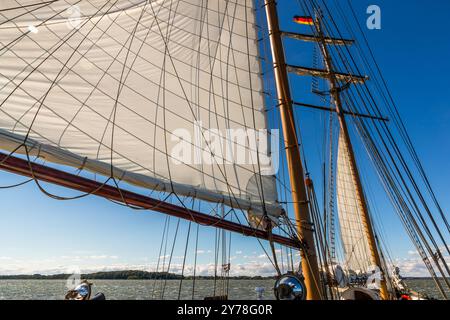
305, 71
311, 38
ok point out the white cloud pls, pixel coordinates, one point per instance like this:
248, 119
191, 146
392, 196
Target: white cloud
89, 257
6, 258
100, 257
413, 266
49, 266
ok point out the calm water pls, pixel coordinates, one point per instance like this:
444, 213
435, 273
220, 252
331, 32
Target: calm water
148, 289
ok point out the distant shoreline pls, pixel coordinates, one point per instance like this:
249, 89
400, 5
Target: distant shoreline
122, 275
139, 275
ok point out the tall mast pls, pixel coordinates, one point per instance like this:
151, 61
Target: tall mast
365, 217
308, 254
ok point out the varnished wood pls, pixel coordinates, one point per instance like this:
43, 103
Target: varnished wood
304, 71
311, 38
310, 266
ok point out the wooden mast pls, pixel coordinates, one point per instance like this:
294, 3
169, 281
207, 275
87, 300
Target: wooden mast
365, 217
308, 254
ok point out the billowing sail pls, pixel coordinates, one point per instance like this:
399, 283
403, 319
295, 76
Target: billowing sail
166, 95
354, 240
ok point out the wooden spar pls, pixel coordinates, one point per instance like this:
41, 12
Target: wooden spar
365, 217
308, 254
353, 114
304, 71
311, 38
43, 173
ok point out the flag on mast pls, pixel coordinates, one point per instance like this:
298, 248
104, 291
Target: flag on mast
304, 20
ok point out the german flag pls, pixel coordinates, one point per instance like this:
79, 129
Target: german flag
304, 20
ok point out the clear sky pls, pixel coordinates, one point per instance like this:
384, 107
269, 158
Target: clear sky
38, 234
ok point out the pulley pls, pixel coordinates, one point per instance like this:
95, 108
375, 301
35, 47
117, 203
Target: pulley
290, 287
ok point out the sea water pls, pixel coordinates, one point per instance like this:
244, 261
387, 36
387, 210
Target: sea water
157, 289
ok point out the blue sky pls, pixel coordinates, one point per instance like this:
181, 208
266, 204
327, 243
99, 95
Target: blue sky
38, 234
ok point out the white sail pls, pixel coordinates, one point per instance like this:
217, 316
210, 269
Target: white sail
95, 84
356, 249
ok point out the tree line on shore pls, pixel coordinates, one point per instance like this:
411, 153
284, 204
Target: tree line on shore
120, 275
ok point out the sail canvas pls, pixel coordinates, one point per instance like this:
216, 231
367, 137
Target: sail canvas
117, 86
354, 239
